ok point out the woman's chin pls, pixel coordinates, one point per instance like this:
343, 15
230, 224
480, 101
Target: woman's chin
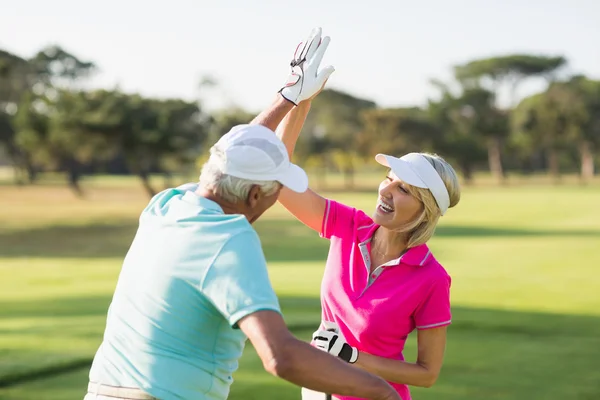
382, 218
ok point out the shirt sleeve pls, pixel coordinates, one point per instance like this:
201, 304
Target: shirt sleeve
434, 311
338, 220
237, 282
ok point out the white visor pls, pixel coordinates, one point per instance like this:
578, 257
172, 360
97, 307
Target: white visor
415, 170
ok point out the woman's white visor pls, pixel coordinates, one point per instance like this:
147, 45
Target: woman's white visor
415, 170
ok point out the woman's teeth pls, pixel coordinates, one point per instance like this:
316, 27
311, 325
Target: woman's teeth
384, 207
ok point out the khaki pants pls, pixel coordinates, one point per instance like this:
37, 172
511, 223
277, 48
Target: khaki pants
92, 396
98, 391
308, 394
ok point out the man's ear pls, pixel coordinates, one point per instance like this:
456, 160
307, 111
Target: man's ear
254, 196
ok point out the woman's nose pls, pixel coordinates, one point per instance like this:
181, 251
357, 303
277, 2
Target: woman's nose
384, 191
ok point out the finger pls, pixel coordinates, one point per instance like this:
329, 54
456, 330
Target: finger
335, 346
322, 345
315, 43
320, 52
311, 44
324, 335
324, 75
298, 50
330, 326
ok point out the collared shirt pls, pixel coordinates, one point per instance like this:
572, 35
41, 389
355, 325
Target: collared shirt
376, 311
190, 275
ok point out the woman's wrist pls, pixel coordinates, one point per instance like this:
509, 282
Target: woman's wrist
303, 105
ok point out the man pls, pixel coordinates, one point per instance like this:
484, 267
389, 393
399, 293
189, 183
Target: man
194, 284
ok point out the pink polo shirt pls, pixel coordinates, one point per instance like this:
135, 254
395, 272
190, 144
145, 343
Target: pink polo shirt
376, 313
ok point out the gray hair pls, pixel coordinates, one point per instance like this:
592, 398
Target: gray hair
230, 188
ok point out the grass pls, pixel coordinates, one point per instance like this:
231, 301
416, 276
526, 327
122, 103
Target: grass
523, 260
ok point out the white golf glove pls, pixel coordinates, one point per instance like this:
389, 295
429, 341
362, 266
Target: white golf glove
306, 79
333, 343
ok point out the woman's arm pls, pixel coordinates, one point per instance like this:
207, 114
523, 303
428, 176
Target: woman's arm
291, 126
307, 207
431, 347
272, 116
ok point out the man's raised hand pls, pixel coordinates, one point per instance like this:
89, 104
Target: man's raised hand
306, 78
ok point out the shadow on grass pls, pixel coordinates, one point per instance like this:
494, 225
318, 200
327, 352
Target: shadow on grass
491, 353
482, 231
55, 308
283, 240
303, 312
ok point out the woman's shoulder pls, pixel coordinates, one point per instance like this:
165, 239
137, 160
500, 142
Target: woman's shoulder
427, 263
351, 218
436, 271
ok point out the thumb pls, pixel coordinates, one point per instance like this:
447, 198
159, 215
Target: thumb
324, 75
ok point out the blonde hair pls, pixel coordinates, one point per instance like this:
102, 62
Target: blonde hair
423, 227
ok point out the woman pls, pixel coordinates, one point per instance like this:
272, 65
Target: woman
381, 280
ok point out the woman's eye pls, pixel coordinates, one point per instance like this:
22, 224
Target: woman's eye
402, 189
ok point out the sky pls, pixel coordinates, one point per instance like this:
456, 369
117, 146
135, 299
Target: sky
383, 50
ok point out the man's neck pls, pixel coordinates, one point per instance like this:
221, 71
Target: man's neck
227, 207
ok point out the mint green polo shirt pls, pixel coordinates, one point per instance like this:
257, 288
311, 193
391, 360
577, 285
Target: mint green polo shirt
191, 274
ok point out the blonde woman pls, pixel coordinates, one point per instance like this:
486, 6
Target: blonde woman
381, 280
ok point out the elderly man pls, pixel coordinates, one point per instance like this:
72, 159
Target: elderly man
194, 284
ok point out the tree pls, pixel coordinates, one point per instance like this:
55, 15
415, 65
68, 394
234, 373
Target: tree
222, 121
55, 67
218, 124
334, 124
16, 79
463, 118
30, 125
185, 132
397, 131
47, 84
583, 96
542, 121
152, 135
566, 115
508, 70
71, 138
56, 135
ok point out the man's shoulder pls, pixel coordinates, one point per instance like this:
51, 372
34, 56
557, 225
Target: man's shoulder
240, 253
243, 240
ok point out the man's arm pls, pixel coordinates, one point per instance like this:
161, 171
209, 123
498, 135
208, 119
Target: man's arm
298, 362
274, 114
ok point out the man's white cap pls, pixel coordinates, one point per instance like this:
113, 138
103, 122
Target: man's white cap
254, 152
415, 170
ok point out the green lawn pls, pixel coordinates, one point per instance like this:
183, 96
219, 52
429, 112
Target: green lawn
523, 259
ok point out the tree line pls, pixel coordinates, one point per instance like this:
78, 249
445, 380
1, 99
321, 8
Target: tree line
50, 121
